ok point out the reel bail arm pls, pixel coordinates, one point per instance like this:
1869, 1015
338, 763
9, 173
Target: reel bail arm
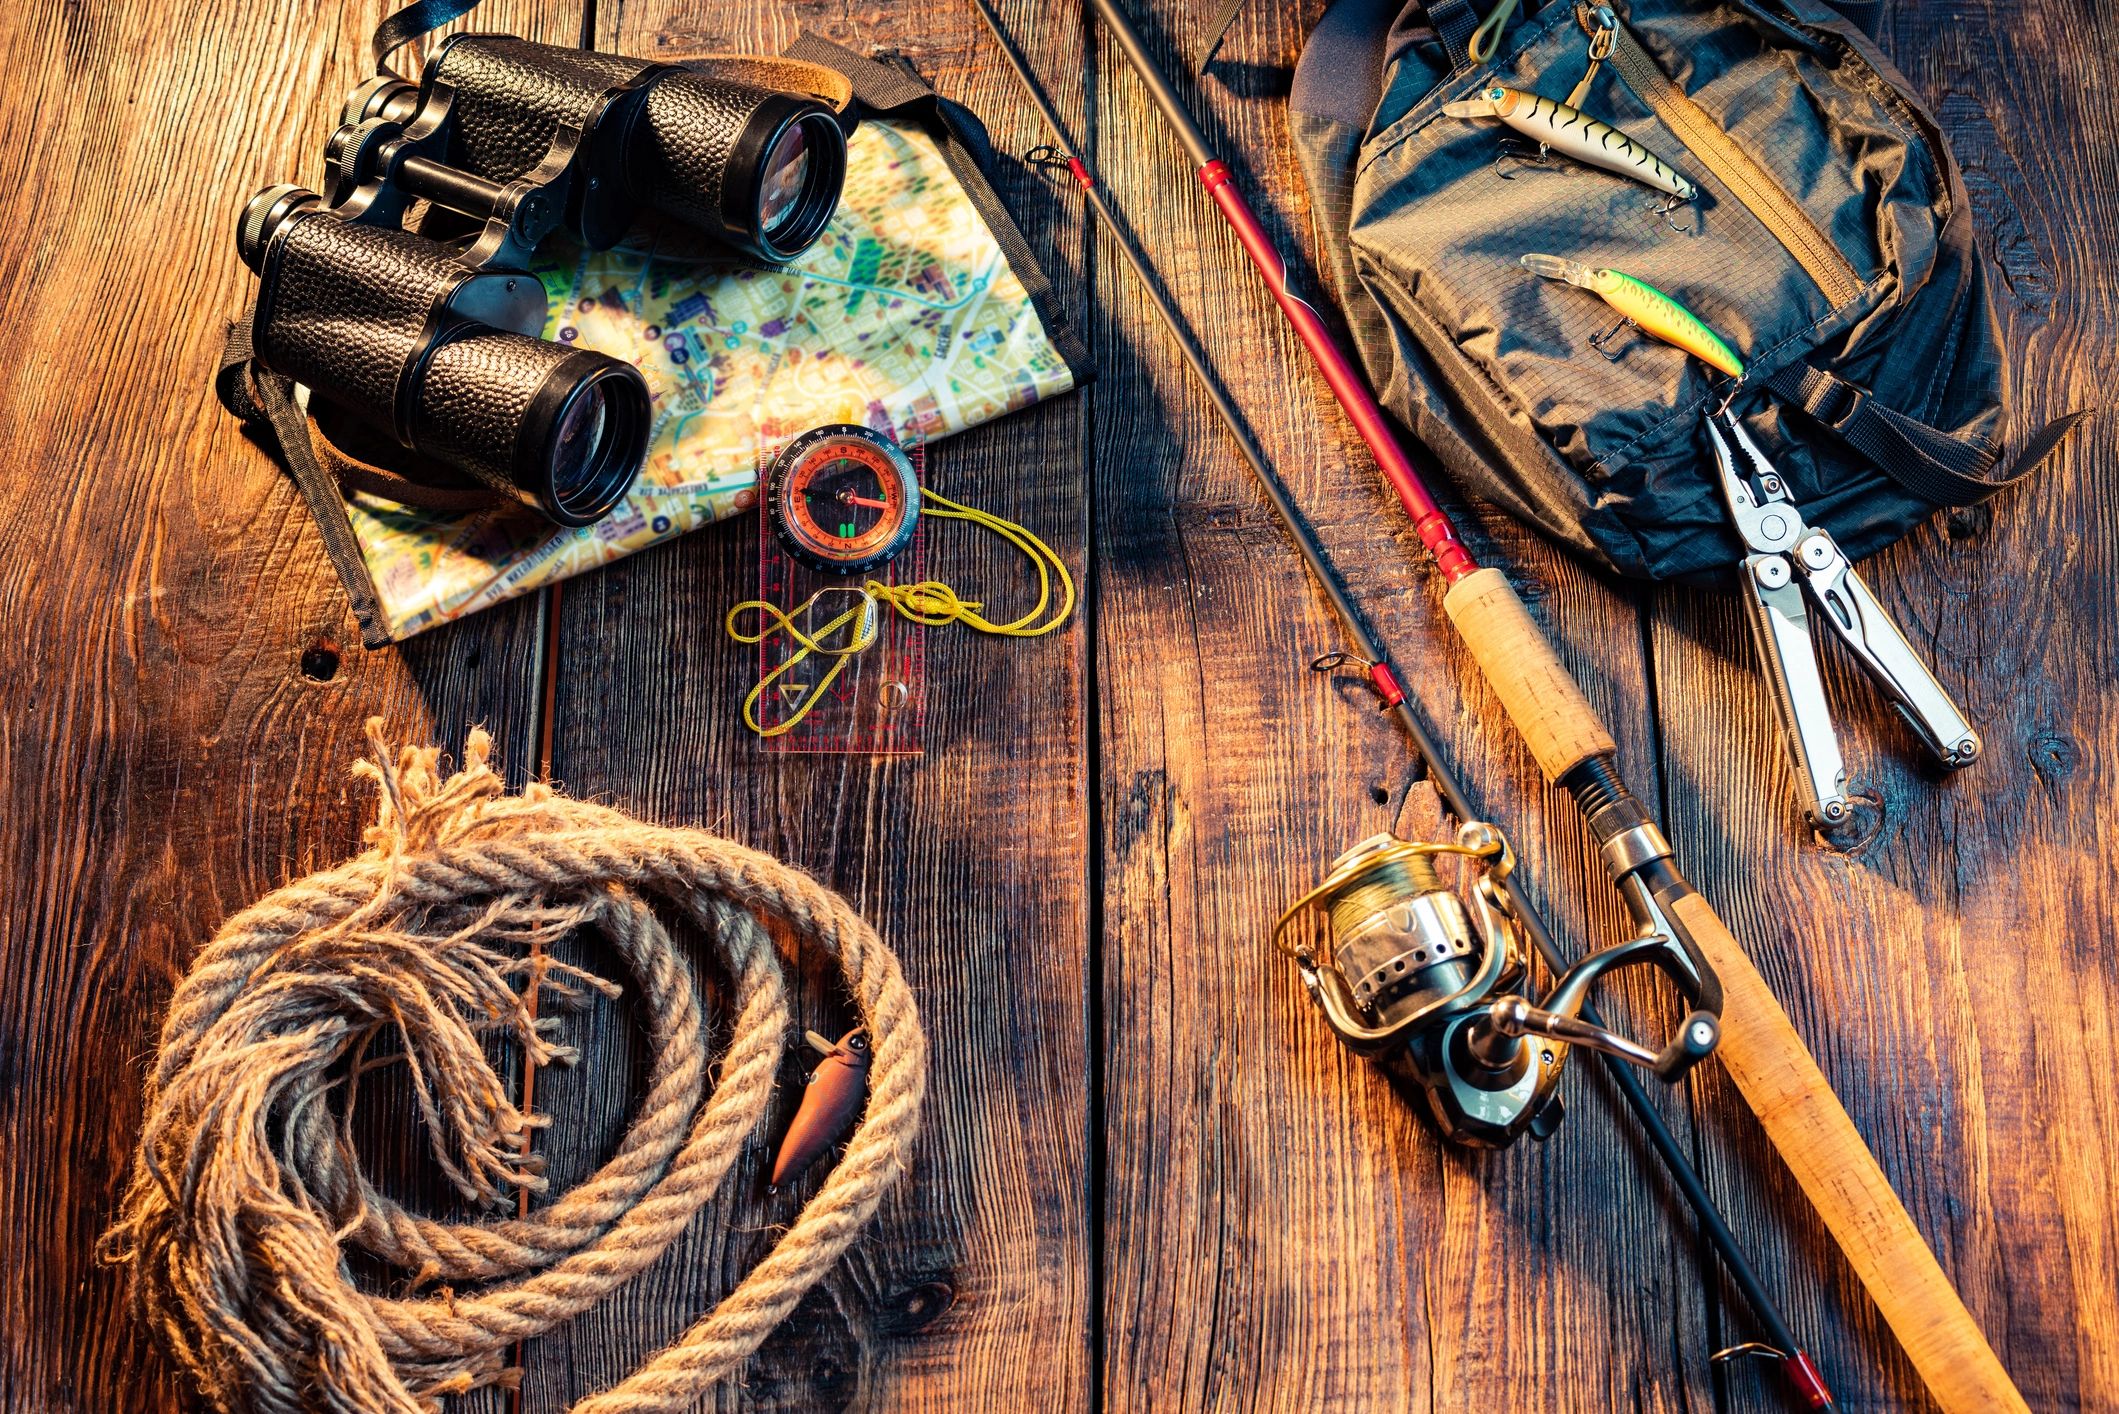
1694, 1042
1430, 983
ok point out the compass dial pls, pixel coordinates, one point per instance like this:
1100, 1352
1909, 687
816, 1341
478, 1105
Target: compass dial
843, 499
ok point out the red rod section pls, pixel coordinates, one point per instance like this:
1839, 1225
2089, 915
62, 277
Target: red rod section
1436, 532
1386, 685
1809, 1384
1434, 526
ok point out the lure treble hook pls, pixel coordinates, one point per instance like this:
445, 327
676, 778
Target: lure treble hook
1563, 128
1672, 203
1510, 150
1602, 342
1643, 306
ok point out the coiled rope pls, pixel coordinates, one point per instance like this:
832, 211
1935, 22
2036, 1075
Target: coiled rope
246, 1193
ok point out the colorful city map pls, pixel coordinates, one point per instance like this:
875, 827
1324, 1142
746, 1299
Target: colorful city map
904, 317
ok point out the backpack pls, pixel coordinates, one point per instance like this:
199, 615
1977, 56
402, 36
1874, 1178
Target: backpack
1833, 250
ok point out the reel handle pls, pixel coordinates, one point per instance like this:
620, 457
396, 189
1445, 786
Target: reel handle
1694, 1042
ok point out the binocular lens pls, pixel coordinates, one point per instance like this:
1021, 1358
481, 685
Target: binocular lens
798, 181
590, 468
786, 175
564, 430
756, 170
574, 446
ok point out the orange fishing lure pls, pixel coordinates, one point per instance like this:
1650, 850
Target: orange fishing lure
831, 1100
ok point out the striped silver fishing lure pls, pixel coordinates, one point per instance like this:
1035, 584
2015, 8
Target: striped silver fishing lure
1573, 133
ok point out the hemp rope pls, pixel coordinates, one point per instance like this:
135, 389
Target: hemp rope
246, 1192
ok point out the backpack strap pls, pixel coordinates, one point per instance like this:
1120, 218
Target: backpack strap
1934, 465
1455, 22
265, 403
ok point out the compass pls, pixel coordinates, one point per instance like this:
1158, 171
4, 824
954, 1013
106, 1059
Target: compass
843, 499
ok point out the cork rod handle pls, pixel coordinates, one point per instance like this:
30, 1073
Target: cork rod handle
1540, 696
1818, 1141
1760, 1047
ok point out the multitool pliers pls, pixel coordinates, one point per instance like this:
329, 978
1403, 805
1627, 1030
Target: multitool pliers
1782, 548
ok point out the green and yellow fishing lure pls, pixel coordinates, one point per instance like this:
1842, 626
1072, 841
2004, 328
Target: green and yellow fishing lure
1654, 312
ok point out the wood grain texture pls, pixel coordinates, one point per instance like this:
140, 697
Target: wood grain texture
1950, 958
1149, 1180
973, 1284
1280, 1232
1815, 1138
164, 756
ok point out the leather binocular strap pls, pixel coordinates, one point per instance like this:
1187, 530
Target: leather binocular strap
354, 474
889, 87
423, 17
265, 402
252, 393
415, 21
776, 71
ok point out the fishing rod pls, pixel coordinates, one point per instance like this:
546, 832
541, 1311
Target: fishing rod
1369, 653
1773, 1070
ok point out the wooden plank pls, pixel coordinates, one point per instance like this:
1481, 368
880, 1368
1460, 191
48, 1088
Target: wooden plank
165, 758
1280, 1230
972, 1289
1277, 1230
1951, 958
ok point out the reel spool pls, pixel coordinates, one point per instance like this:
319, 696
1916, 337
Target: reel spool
1431, 987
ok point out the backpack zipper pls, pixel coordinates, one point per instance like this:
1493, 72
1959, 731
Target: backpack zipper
1750, 183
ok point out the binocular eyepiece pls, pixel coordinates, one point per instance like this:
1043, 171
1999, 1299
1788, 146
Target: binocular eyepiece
433, 337
755, 169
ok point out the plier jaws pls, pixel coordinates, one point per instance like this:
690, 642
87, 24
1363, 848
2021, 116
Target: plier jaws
1785, 559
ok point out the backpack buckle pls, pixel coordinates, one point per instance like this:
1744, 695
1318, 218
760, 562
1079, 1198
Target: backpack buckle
1838, 404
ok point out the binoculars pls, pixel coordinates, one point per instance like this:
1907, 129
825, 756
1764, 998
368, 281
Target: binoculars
432, 337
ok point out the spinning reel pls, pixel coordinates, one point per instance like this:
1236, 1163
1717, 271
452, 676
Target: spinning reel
1432, 990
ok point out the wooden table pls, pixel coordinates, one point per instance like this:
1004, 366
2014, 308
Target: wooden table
1149, 1180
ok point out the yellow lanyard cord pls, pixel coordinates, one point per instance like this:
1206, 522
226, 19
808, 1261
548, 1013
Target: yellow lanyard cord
933, 603
930, 603
777, 620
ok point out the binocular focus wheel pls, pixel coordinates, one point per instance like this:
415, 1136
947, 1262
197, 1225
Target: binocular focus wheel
263, 215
